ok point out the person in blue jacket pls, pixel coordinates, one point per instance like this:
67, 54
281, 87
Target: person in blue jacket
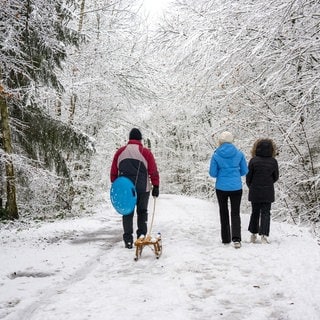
227, 165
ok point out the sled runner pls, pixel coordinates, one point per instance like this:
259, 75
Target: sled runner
154, 243
148, 241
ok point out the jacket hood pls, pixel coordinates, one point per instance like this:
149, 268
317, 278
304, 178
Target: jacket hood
226, 150
264, 148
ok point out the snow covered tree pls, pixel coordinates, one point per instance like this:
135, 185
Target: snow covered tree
253, 68
33, 39
109, 82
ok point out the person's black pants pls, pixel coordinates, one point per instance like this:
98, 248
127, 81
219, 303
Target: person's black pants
260, 218
227, 233
142, 218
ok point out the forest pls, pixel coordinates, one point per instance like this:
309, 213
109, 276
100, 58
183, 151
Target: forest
77, 75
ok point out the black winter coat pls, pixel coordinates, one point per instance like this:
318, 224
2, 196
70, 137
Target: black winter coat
263, 173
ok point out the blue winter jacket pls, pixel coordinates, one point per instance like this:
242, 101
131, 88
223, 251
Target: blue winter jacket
227, 165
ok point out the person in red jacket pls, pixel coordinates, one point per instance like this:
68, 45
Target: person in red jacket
137, 163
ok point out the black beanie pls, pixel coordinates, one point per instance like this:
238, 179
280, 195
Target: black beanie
135, 134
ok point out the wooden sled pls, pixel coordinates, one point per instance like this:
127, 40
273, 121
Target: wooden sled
154, 243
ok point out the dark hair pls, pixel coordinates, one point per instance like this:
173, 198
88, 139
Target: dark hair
264, 147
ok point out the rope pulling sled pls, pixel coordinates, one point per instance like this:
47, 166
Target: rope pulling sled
154, 243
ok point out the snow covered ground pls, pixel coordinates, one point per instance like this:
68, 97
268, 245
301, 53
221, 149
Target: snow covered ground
79, 269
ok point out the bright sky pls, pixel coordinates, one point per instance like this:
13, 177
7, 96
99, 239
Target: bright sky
154, 8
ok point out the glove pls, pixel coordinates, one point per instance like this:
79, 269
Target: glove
155, 191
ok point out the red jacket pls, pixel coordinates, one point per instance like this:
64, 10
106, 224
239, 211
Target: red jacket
138, 164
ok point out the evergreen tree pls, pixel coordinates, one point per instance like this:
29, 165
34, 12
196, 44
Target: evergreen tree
34, 36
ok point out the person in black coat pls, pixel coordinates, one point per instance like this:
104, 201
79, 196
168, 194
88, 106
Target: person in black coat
263, 173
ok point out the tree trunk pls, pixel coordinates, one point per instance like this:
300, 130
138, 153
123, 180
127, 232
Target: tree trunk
11, 204
59, 106
2, 181
72, 109
82, 5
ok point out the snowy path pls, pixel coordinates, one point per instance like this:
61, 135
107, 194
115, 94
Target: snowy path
91, 275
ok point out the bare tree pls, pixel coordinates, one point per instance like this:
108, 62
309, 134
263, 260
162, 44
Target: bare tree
110, 77
251, 67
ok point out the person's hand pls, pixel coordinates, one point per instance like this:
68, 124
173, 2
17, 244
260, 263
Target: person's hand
155, 191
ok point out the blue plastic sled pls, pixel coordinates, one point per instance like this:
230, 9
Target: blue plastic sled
123, 195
